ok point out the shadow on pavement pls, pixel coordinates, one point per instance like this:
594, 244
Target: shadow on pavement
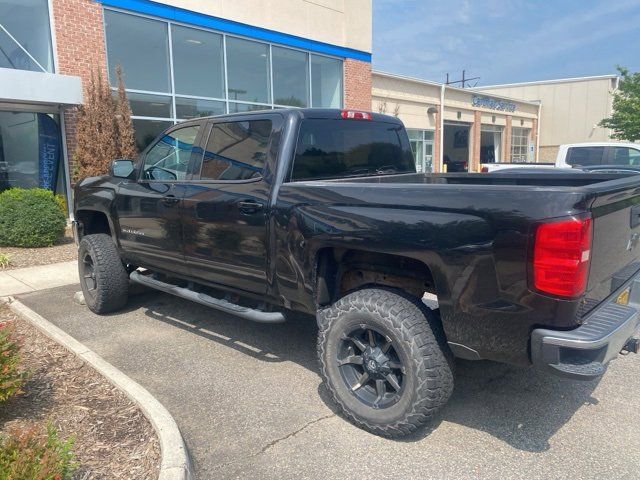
520, 406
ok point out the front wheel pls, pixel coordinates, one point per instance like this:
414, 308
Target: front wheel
384, 360
103, 278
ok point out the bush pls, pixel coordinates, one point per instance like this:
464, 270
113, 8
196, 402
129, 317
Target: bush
30, 454
30, 218
5, 260
62, 203
11, 374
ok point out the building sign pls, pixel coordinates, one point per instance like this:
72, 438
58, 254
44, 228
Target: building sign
493, 104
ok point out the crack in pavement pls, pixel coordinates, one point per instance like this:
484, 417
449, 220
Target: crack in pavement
293, 434
277, 441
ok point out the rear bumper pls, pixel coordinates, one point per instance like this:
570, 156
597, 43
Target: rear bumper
583, 353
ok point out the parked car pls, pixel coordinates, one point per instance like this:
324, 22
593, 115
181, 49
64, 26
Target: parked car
594, 154
578, 155
321, 212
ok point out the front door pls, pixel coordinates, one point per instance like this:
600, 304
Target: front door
226, 204
150, 210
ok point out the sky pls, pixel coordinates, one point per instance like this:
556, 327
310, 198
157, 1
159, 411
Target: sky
505, 41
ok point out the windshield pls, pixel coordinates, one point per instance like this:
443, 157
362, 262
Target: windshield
339, 148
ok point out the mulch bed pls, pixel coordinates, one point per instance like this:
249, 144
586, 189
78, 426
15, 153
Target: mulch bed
63, 251
113, 439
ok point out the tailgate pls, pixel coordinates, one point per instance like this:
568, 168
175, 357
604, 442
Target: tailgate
615, 251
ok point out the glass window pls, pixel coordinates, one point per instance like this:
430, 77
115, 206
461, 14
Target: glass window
326, 82
146, 131
187, 108
343, 148
197, 62
584, 156
28, 23
248, 70
141, 47
236, 150
146, 105
519, 144
290, 77
246, 107
626, 156
422, 148
30, 151
169, 158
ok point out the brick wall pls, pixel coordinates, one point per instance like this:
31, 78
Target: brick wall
80, 48
357, 84
506, 157
475, 142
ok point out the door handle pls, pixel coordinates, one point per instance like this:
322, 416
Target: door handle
249, 207
170, 200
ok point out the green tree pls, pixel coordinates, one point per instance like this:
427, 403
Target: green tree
625, 119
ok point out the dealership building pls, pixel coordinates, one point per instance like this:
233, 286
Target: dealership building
187, 58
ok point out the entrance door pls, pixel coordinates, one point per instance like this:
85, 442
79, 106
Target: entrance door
150, 210
456, 147
490, 144
226, 205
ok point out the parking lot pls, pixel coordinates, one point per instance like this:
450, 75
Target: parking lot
250, 403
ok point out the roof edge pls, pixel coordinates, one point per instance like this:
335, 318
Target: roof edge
544, 82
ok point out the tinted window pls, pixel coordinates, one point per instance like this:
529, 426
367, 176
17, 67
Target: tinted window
141, 47
169, 158
342, 148
236, 150
248, 70
584, 156
626, 156
290, 77
326, 82
28, 23
197, 62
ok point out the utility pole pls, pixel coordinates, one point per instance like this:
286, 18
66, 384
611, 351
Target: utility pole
463, 82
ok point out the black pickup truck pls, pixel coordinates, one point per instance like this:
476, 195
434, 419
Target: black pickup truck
322, 212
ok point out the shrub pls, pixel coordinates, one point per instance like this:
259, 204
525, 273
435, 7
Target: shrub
30, 218
11, 374
33, 454
62, 203
5, 260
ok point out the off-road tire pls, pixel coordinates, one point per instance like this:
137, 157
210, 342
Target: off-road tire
110, 276
418, 334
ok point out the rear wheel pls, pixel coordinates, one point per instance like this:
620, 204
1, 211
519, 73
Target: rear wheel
384, 360
103, 277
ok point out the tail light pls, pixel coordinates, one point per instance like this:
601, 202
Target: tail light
561, 255
355, 115
484, 170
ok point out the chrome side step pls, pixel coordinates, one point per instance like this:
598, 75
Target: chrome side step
208, 301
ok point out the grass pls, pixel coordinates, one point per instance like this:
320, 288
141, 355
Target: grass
5, 260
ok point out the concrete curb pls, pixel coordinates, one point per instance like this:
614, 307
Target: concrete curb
175, 463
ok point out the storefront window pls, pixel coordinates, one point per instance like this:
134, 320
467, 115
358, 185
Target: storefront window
290, 77
141, 47
30, 151
166, 85
248, 70
25, 35
197, 62
519, 144
326, 82
422, 147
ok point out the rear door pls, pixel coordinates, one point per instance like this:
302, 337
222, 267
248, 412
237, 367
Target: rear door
150, 210
227, 202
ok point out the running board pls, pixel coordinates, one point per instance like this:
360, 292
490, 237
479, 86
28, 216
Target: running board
208, 301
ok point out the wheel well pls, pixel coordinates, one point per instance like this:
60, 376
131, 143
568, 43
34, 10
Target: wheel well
93, 222
341, 270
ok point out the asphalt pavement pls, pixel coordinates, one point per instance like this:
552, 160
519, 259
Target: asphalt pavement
250, 404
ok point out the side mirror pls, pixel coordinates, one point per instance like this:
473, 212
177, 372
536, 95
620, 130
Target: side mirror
122, 168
